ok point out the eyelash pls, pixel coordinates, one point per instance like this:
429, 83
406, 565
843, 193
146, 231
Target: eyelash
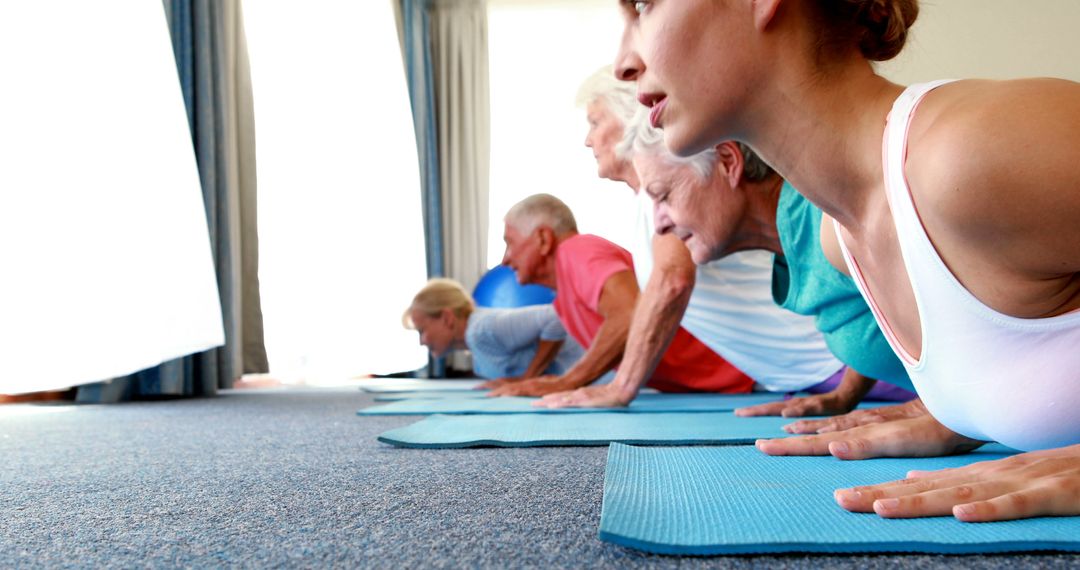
637, 6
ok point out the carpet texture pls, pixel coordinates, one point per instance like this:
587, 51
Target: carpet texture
293, 479
736, 500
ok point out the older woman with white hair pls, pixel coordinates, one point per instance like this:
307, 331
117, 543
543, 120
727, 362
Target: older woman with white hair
726, 200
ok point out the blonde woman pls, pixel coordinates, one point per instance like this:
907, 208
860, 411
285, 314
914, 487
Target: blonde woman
506, 344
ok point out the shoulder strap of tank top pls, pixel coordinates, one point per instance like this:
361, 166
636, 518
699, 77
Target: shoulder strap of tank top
894, 156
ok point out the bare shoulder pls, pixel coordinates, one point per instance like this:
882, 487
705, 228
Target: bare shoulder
998, 163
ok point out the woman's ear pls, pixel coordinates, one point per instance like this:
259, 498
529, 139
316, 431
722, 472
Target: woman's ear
764, 12
729, 163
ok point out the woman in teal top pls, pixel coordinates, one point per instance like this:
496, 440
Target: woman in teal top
726, 200
805, 282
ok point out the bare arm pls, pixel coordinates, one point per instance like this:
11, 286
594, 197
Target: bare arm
655, 322
617, 300
546, 351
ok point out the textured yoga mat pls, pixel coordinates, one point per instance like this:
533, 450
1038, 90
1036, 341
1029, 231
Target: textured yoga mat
642, 404
736, 500
445, 394
559, 430
430, 395
413, 384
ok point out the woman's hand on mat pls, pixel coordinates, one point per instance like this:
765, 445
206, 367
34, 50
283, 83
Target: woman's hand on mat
912, 409
539, 386
921, 436
492, 384
1037, 483
828, 404
603, 396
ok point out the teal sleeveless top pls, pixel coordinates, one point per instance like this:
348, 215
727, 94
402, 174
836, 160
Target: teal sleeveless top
806, 283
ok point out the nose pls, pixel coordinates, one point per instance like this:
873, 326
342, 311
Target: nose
628, 65
506, 257
661, 220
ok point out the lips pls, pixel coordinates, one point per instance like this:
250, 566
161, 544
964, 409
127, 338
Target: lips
657, 110
656, 101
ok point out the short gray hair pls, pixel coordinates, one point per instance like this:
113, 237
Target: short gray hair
542, 209
640, 137
620, 96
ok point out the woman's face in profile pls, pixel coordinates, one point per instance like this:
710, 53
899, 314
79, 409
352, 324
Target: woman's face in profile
605, 132
435, 332
694, 65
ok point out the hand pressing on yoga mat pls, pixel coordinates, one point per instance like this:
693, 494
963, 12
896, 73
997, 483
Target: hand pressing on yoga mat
498, 382
533, 387
853, 387
857, 418
604, 396
919, 436
1033, 484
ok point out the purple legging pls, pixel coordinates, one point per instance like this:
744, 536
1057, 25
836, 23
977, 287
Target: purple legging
882, 391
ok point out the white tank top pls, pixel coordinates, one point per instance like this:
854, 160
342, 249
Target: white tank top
983, 374
732, 311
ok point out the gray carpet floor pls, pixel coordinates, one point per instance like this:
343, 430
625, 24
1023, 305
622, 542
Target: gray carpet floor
293, 478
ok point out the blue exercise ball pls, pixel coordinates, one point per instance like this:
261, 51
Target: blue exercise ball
499, 287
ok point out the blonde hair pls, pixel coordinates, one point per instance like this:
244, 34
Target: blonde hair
438, 295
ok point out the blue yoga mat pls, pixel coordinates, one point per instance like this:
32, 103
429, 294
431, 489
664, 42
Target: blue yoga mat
642, 404
394, 385
430, 395
736, 500
551, 430
446, 394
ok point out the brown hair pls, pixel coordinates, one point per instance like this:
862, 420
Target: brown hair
878, 28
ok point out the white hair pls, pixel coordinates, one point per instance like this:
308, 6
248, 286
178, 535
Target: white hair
620, 97
640, 137
541, 209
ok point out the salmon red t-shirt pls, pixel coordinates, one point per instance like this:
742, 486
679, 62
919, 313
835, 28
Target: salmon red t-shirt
583, 264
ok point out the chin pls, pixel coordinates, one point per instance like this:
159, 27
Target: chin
683, 144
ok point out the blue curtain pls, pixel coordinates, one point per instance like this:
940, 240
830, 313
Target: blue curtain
419, 73
197, 28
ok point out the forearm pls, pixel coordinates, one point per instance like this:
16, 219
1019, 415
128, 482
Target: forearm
603, 354
546, 351
656, 320
854, 386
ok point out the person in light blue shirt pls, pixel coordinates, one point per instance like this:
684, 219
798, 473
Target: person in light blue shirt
506, 344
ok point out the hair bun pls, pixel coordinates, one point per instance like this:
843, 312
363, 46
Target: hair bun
885, 25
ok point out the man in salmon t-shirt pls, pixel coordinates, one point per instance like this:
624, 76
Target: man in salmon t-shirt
595, 294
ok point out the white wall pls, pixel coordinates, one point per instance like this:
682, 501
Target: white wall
993, 39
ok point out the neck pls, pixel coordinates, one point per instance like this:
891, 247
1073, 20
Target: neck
459, 333
549, 277
811, 136
628, 175
758, 227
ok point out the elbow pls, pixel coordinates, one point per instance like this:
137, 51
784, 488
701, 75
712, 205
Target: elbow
677, 285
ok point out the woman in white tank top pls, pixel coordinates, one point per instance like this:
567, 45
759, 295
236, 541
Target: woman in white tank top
961, 224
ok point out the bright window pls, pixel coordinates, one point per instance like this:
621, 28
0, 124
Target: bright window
340, 231
540, 53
